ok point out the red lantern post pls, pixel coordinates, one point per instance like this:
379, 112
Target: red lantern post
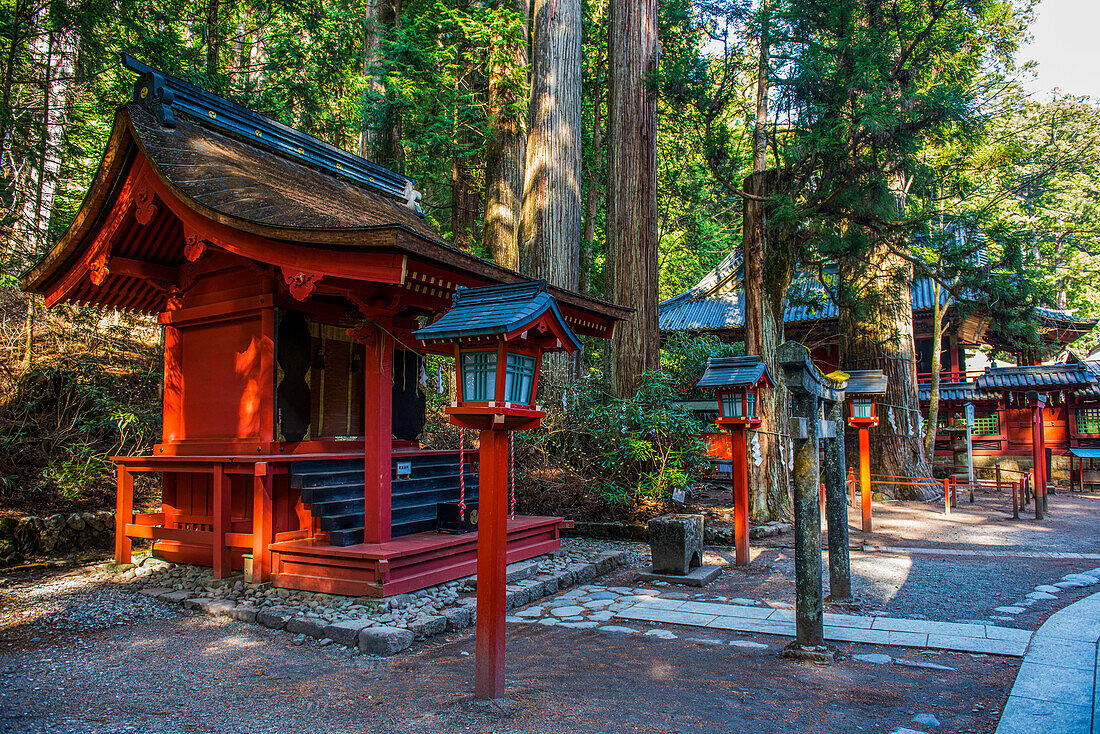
736, 380
497, 335
863, 386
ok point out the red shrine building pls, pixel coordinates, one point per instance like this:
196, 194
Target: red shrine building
288, 277
1003, 432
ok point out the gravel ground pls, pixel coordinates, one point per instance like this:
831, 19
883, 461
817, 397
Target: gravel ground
147, 667
68, 640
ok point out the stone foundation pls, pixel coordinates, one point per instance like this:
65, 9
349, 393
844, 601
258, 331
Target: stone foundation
54, 535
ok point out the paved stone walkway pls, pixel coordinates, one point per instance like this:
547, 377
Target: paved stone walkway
1000, 553
977, 638
1057, 690
608, 608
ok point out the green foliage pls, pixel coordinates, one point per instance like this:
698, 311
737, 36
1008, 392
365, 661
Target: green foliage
684, 359
647, 444
68, 416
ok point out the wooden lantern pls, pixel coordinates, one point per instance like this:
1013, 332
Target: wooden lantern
863, 387
498, 335
737, 382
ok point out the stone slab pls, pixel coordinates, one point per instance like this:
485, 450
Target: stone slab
1054, 683
1031, 716
979, 645
928, 627
1066, 653
667, 616
726, 610
698, 576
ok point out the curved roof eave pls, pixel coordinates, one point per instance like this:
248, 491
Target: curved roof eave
125, 143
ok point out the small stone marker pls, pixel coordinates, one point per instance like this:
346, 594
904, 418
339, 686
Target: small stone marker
676, 544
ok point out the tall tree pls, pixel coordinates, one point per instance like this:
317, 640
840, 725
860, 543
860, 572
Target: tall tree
868, 83
768, 265
551, 226
506, 147
632, 187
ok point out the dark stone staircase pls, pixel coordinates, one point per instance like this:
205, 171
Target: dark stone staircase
334, 492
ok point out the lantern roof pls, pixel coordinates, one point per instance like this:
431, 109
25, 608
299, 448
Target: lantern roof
735, 372
866, 382
501, 311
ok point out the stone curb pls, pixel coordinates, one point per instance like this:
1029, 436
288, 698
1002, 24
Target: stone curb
715, 535
1055, 690
525, 586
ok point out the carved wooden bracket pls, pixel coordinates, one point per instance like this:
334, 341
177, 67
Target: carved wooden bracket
194, 246
301, 284
97, 269
368, 334
144, 208
187, 276
175, 299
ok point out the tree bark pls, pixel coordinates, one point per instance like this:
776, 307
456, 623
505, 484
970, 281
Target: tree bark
505, 157
213, 38
876, 332
632, 188
551, 225
931, 426
768, 268
375, 15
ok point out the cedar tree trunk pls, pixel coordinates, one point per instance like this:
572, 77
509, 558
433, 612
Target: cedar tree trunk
505, 156
768, 268
632, 188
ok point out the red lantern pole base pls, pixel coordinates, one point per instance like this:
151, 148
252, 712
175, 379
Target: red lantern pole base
865, 477
492, 561
740, 494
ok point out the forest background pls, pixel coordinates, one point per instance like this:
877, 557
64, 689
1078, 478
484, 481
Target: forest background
613, 147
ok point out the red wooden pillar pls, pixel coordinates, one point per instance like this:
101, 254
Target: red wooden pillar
865, 477
739, 454
172, 424
377, 435
492, 561
261, 522
222, 507
1038, 453
124, 514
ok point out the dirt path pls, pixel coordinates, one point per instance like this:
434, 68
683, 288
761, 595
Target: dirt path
179, 673
77, 657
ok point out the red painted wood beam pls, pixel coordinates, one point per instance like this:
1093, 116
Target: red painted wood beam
378, 433
740, 494
222, 507
124, 514
492, 552
865, 477
261, 523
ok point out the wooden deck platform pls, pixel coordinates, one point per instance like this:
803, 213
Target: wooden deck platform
402, 565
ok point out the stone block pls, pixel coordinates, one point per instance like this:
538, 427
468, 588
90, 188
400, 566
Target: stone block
273, 620
428, 626
242, 613
306, 626
565, 578
676, 543
384, 641
536, 589
583, 572
346, 632
175, 597
549, 583
155, 592
458, 618
519, 594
